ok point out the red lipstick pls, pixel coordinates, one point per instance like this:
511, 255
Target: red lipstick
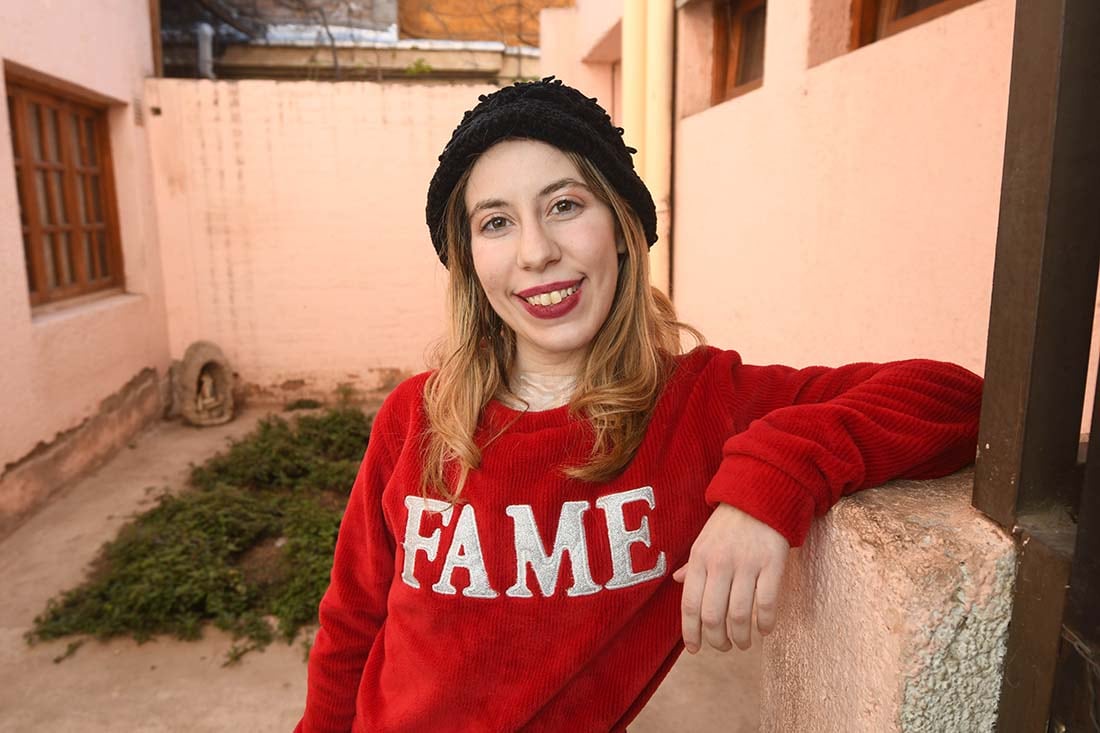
555, 310
547, 287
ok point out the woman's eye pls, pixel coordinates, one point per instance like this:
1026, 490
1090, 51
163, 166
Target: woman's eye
564, 206
494, 224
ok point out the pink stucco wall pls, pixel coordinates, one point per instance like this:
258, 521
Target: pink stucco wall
292, 224
55, 369
848, 211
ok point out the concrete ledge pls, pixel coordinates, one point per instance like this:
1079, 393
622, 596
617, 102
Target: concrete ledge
893, 616
28, 483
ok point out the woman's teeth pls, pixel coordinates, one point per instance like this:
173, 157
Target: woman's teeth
551, 298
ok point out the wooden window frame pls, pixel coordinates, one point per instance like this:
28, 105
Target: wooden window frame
873, 19
74, 167
727, 50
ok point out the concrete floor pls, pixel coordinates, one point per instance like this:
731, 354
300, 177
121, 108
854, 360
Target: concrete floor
167, 685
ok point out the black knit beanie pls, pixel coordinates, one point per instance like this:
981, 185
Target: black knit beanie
554, 113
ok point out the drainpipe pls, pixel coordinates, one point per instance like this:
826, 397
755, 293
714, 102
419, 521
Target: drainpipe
205, 33
633, 66
660, 17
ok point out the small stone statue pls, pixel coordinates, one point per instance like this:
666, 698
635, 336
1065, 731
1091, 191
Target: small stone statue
208, 398
202, 385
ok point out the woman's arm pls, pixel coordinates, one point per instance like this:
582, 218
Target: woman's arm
353, 608
810, 437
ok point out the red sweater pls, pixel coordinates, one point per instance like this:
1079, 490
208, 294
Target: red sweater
547, 604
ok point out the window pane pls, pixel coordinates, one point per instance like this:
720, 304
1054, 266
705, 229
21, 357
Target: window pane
102, 238
81, 199
908, 7
13, 128
29, 261
750, 65
36, 131
97, 205
47, 260
44, 213
59, 197
66, 259
89, 138
74, 133
53, 141
22, 198
92, 271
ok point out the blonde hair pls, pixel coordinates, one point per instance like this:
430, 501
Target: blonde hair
627, 364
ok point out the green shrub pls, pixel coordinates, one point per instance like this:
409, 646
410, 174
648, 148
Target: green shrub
248, 547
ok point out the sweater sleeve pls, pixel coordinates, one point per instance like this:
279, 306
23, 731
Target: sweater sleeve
353, 608
804, 438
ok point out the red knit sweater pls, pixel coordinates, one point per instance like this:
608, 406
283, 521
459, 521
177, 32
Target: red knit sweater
547, 604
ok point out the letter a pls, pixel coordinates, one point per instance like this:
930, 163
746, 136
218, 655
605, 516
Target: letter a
465, 552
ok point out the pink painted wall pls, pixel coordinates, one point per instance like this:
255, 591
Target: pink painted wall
292, 225
848, 211
55, 369
563, 31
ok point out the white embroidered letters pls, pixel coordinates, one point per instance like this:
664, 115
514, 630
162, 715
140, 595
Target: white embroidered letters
529, 551
465, 549
465, 552
621, 539
414, 541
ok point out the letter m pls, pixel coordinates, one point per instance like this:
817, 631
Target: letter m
530, 551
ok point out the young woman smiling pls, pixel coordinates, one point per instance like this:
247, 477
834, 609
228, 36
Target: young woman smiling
514, 546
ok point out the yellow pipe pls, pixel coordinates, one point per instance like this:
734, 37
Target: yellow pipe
634, 82
657, 142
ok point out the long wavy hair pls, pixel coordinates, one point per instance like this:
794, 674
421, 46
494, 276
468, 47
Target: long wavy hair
627, 365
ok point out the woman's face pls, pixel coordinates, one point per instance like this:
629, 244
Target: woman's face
544, 249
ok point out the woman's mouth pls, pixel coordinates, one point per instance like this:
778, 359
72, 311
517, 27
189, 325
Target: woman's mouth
554, 302
552, 297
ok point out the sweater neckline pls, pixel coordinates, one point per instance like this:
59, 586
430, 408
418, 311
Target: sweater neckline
501, 415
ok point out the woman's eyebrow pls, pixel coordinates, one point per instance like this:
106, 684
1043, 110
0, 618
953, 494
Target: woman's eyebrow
561, 183
548, 189
487, 204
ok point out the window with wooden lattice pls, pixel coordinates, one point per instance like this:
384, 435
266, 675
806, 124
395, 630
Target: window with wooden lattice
66, 193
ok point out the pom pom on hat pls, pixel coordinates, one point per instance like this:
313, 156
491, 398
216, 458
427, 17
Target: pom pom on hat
554, 113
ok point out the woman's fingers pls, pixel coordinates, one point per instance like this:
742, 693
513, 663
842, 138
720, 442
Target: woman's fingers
694, 579
739, 618
767, 595
713, 610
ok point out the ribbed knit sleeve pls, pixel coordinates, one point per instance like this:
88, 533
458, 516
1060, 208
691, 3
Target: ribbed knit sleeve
807, 437
354, 606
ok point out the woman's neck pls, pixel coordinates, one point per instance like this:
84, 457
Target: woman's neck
537, 391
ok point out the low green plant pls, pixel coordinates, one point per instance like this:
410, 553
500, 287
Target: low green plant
247, 547
418, 66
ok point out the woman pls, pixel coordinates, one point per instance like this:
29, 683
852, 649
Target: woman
512, 547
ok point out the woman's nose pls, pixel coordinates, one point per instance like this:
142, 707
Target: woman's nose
537, 248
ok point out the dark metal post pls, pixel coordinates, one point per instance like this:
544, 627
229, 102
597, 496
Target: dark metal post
1044, 289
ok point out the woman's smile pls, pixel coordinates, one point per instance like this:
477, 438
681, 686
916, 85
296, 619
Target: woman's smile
553, 300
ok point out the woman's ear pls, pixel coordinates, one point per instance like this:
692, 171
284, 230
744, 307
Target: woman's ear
620, 244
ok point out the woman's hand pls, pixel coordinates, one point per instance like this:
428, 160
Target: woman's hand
734, 558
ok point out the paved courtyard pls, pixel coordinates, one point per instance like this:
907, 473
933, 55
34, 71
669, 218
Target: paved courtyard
167, 685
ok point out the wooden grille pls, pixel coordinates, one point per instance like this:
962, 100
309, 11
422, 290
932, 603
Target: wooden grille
66, 194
